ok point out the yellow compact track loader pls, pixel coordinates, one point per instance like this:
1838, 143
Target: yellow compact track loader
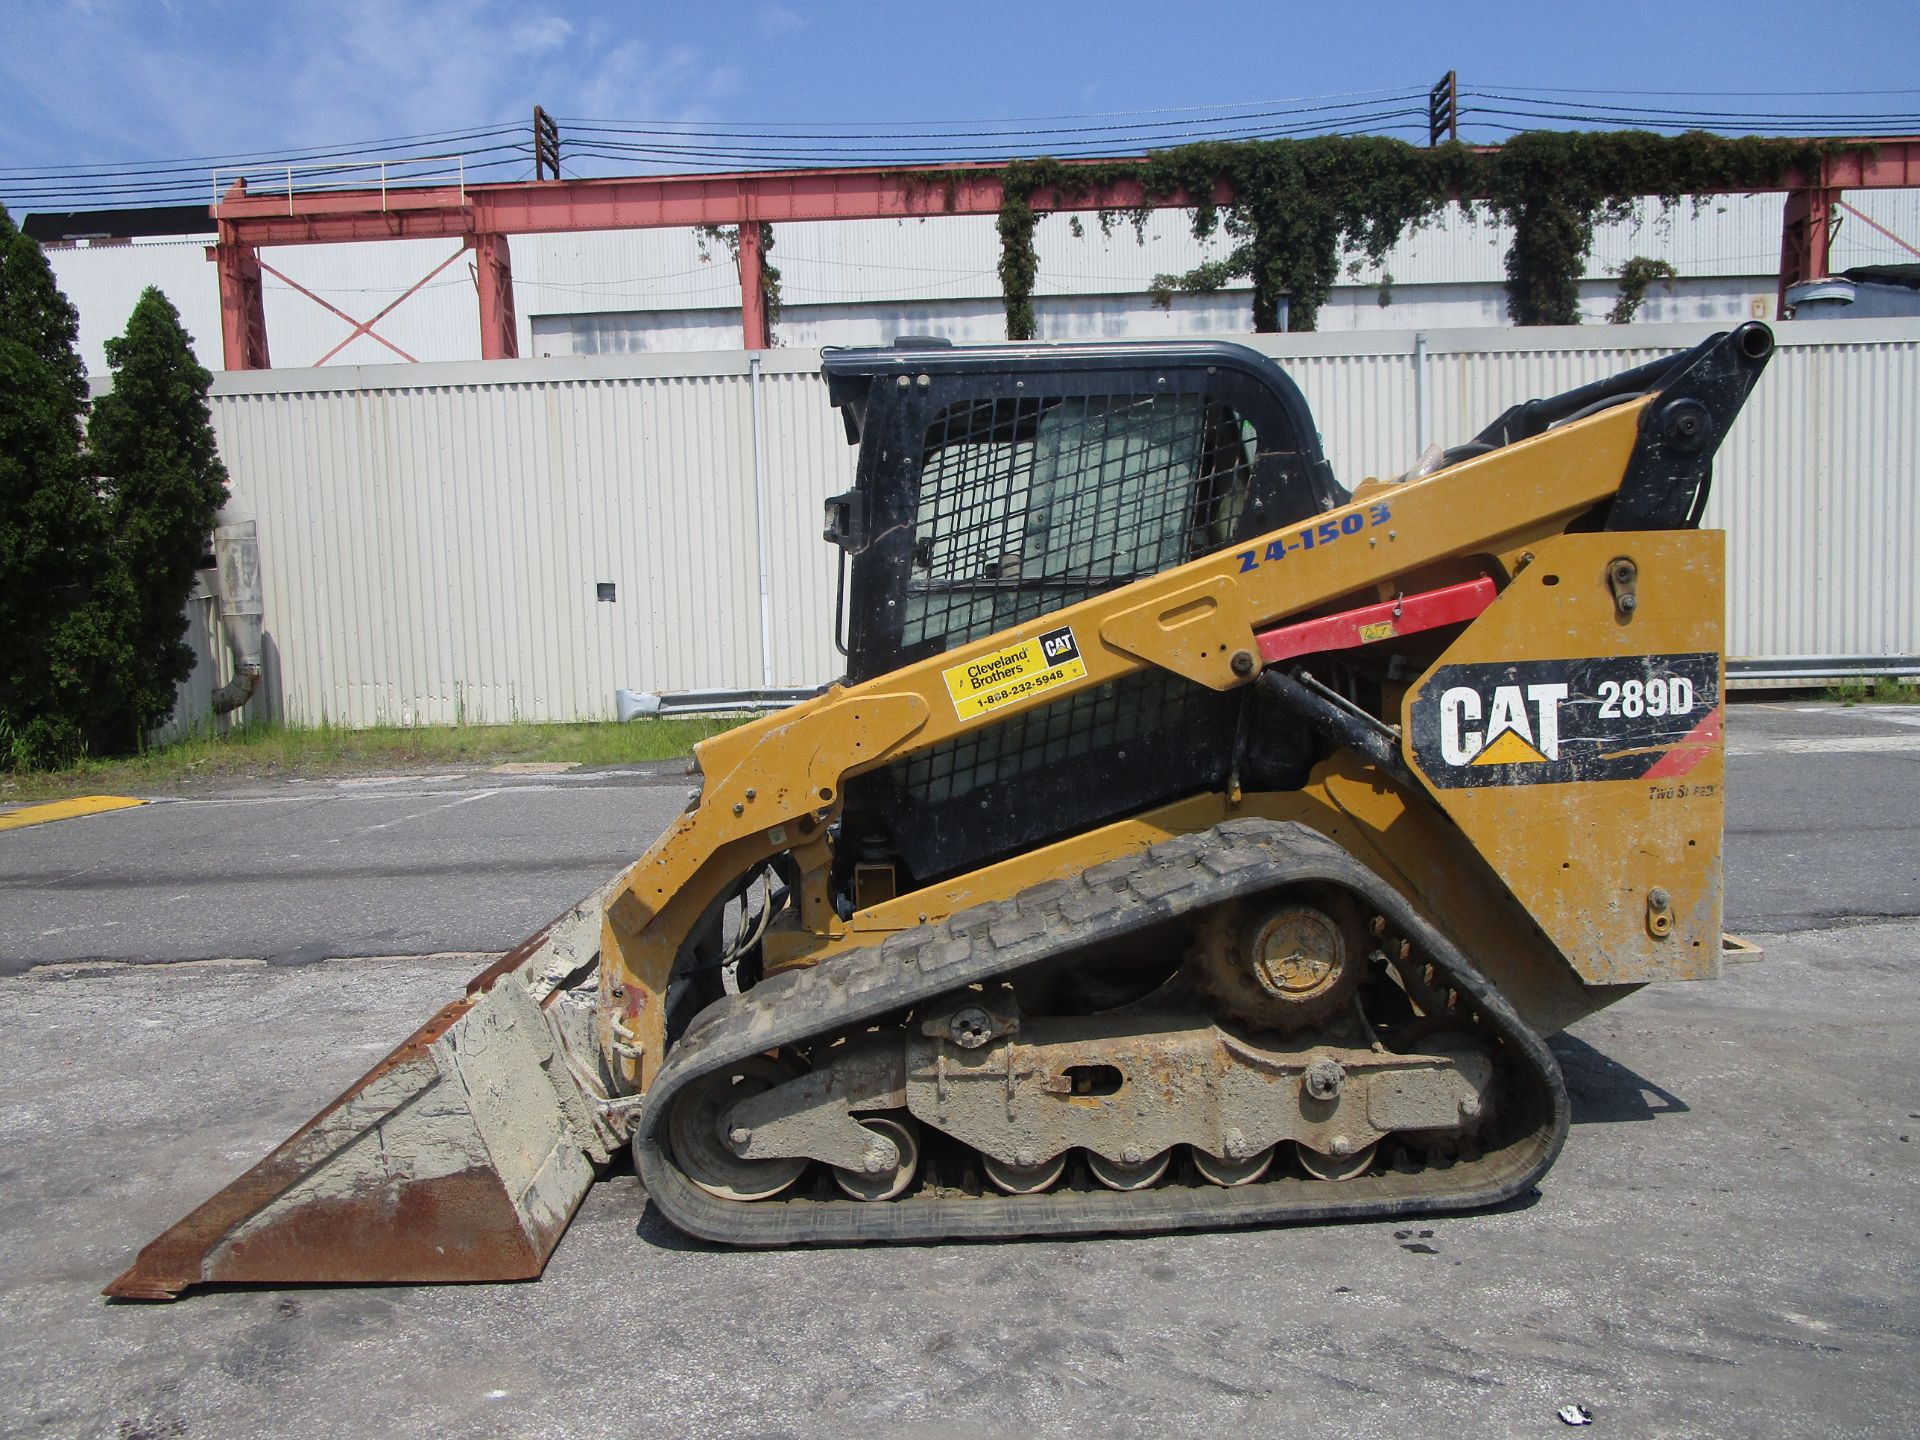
1190, 843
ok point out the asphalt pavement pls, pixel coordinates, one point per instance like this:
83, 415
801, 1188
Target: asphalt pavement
1724, 1248
295, 872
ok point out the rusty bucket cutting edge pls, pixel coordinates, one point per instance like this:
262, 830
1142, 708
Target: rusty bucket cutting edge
461, 1156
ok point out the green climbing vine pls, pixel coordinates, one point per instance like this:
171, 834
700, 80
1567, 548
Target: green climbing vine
729, 236
1019, 258
1636, 276
1553, 186
1295, 205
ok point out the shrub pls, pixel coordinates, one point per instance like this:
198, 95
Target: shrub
152, 440
63, 593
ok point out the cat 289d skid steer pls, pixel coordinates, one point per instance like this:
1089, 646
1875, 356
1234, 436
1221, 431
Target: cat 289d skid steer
1190, 843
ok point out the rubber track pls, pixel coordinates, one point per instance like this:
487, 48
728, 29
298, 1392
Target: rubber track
1174, 878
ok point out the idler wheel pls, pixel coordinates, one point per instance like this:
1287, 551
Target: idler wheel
697, 1132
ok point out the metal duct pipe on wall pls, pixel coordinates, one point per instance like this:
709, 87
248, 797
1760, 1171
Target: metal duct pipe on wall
236, 554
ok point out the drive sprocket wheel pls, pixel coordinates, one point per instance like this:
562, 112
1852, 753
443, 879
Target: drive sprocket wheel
1280, 965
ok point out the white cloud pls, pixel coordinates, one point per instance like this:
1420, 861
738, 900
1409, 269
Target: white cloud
124, 80
542, 32
777, 20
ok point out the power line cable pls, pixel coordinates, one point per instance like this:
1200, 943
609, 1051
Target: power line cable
1836, 117
176, 191
199, 182
626, 128
1817, 128
884, 153
704, 146
1684, 94
201, 162
1080, 115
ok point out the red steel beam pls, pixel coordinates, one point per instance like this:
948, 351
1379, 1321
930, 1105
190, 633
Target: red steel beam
482, 215
645, 202
1806, 237
755, 332
243, 305
1892, 165
640, 203
493, 279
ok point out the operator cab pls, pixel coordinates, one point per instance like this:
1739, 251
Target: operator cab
998, 484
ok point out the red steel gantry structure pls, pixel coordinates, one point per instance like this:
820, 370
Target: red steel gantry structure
481, 217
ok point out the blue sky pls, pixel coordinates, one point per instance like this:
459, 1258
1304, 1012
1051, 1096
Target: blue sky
128, 80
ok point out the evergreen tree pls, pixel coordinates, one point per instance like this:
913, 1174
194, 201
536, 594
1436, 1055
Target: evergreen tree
152, 440
63, 595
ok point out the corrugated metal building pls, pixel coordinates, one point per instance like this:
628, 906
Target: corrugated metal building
434, 537
863, 282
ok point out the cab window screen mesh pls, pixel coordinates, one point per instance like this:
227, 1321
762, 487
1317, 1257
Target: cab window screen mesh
1050, 737
1029, 504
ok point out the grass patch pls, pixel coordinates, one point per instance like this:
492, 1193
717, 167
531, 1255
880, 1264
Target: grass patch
271, 751
1884, 690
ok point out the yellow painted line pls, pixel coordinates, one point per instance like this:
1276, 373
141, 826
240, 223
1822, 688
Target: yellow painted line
64, 810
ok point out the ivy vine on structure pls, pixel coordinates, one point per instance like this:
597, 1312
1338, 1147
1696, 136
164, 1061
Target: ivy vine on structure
729, 236
1292, 207
1636, 276
1553, 186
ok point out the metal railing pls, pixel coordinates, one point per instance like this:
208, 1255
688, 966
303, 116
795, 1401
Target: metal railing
387, 179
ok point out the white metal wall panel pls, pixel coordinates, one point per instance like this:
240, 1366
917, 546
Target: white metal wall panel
958, 257
431, 537
437, 536
1857, 243
1723, 235
213, 666
104, 283
806, 458
615, 269
440, 321
631, 332
965, 322
850, 262
1727, 235
1818, 493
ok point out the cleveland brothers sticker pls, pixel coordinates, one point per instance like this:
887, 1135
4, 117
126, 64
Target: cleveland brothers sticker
988, 682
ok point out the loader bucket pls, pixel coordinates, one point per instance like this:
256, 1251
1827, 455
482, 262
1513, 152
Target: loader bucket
460, 1156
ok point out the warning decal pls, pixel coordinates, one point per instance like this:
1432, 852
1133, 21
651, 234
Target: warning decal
1552, 722
988, 682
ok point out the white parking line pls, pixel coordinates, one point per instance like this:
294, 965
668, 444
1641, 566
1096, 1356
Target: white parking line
1832, 745
430, 810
